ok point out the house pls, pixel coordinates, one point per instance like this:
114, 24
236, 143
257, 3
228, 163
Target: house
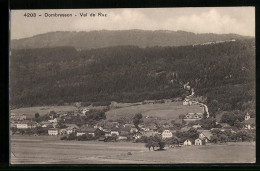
186, 102
22, 125
149, 133
63, 131
123, 135
107, 133
187, 142
90, 131
53, 131
53, 120
145, 129
71, 128
185, 129
26, 124
166, 134
114, 132
137, 135
128, 125
84, 129
205, 134
22, 117
126, 129
199, 141
193, 116
84, 111
46, 124
133, 130
198, 126
249, 123
12, 115
80, 133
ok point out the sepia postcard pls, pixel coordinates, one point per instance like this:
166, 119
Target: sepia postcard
132, 86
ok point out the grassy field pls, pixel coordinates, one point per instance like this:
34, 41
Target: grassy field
170, 110
42, 110
50, 150
166, 110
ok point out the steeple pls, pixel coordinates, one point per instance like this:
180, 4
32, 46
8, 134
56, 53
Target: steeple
247, 116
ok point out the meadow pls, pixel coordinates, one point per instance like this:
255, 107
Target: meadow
51, 150
170, 110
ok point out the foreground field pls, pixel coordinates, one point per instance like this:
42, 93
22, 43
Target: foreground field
50, 150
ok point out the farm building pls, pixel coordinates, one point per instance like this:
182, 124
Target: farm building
205, 135
53, 131
166, 134
26, 124
193, 116
249, 123
187, 143
199, 141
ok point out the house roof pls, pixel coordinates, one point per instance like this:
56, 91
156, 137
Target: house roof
28, 122
224, 124
72, 125
123, 133
185, 129
125, 129
207, 134
249, 121
90, 129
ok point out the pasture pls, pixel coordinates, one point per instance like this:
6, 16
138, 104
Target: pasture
51, 150
170, 110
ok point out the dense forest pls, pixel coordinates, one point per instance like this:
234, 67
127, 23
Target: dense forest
223, 72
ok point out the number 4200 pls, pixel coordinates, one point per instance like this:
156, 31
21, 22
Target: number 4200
30, 14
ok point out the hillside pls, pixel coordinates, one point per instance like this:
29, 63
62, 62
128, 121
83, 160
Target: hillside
223, 72
100, 39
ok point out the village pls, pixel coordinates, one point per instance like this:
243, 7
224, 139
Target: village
189, 129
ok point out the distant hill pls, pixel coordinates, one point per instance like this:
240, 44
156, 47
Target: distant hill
100, 39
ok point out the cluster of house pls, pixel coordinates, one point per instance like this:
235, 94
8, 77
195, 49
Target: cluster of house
122, 131
204, 137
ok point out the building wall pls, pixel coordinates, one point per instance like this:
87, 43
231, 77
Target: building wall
53, 132
22, 126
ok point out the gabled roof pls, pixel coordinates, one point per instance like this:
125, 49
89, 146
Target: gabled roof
28, 122
206, 134
72, 125
124, 133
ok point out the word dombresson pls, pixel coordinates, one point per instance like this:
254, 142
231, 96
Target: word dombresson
57, 15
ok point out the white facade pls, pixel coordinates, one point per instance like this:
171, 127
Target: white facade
80, 133
187, 142
198, 142
22, 126
166, 134
115, 132
53, 132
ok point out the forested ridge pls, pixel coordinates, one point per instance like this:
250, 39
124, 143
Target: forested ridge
106, 38
223, 72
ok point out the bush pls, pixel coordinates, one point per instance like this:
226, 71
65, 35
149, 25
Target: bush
63, 138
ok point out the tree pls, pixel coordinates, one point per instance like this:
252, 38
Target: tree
36, 115
238, 124
208, 123
214, 138
138, 119
151, 142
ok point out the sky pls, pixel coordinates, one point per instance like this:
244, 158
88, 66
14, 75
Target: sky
220, 20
